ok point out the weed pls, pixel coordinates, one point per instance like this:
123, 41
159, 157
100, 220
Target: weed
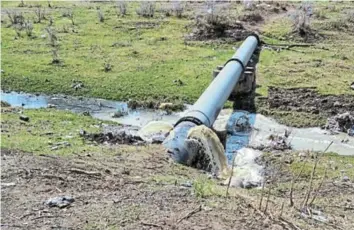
29, 28
55, 56
203, 187
301, 19
100, 15
51, 21
21, 4
40, 14
249, 4
121, 8
178, 9
52, 36
107, 66
15, 17
146, 9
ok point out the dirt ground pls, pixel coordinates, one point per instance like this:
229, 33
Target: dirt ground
144, 190
122, 194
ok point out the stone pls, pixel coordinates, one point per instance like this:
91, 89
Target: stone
51, 106
60, 201
345, 179
24, 118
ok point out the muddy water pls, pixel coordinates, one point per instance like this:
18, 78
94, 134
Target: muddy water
301, 138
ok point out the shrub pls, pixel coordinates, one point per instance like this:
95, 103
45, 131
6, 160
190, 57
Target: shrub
121, 8
16, 18
53, 39
100, 15
29, 28
178, 9
146, 9
40, 13
301, 19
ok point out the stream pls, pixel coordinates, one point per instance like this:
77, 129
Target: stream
302, 139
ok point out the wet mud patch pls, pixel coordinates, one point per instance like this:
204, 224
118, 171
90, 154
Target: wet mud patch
308, 100
113, 134
212, 27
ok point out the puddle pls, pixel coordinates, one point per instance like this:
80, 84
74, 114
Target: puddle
98, 108
301, 138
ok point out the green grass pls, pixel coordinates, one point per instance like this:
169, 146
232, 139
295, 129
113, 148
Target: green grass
146, 61
46, 128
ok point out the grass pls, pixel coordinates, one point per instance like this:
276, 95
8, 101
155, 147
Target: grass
46, 128
147, 55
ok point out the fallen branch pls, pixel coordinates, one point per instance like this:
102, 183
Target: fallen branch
151, 225
268, 196
262, 194
190, 214
80, 171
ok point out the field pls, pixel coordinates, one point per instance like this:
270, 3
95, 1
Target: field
88, 48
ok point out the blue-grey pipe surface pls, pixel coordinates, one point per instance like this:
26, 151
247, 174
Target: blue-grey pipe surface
208, 106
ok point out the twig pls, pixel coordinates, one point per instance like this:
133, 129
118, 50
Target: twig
232, 174
47, 216
310, 182
292, 184
262, 194
312, 175
190, 214
151, 225
319, 186
281, 209
268, 196
80, 171
53, 177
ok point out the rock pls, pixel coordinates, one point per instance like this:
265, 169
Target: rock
341, 123
352, 86
51, 106
337, 104
5, 104
82, 132
24, 118
302, 155
43, 36
345, 179
60, 201
4, 185
117, 114
2, 71
164, 106
187, 184
86, 113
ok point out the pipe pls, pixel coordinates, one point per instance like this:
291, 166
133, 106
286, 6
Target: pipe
210, 103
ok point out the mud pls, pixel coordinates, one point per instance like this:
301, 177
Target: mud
205, 28
341, 123
112, 134
309, 100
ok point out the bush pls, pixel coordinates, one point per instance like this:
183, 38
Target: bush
52, 36
29, 28
178, 9
40, 13
301, 19
100, 15
146, 9
121, 8
16, 18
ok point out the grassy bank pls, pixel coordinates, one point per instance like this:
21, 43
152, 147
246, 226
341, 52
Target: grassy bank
149, 57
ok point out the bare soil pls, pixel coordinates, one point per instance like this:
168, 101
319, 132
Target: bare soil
309, 100
116, 191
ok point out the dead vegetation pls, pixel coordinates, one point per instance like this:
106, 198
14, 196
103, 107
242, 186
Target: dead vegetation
146, 9
121, 8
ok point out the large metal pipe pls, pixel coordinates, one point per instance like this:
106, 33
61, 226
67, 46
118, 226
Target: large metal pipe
210, 103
